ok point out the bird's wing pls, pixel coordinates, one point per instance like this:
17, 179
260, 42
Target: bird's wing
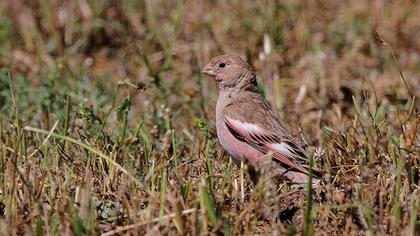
282, 148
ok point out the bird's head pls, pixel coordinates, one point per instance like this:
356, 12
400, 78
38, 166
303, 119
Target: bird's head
231, 72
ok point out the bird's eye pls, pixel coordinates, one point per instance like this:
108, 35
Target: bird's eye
221, 65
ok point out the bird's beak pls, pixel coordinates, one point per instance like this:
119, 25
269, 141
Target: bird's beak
208, 70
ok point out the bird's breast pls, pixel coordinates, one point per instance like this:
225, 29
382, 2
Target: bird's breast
234, 147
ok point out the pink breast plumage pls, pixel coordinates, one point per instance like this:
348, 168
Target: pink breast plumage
236, 148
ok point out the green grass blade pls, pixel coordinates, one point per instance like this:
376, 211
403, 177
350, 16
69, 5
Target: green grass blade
87, 147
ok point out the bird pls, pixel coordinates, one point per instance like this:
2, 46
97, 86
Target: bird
248, 129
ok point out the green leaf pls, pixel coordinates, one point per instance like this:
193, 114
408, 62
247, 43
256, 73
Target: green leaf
123, 108
206, 202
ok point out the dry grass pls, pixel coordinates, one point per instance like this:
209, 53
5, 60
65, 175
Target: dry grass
107, 125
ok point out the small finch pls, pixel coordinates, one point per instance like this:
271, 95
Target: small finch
246, 125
